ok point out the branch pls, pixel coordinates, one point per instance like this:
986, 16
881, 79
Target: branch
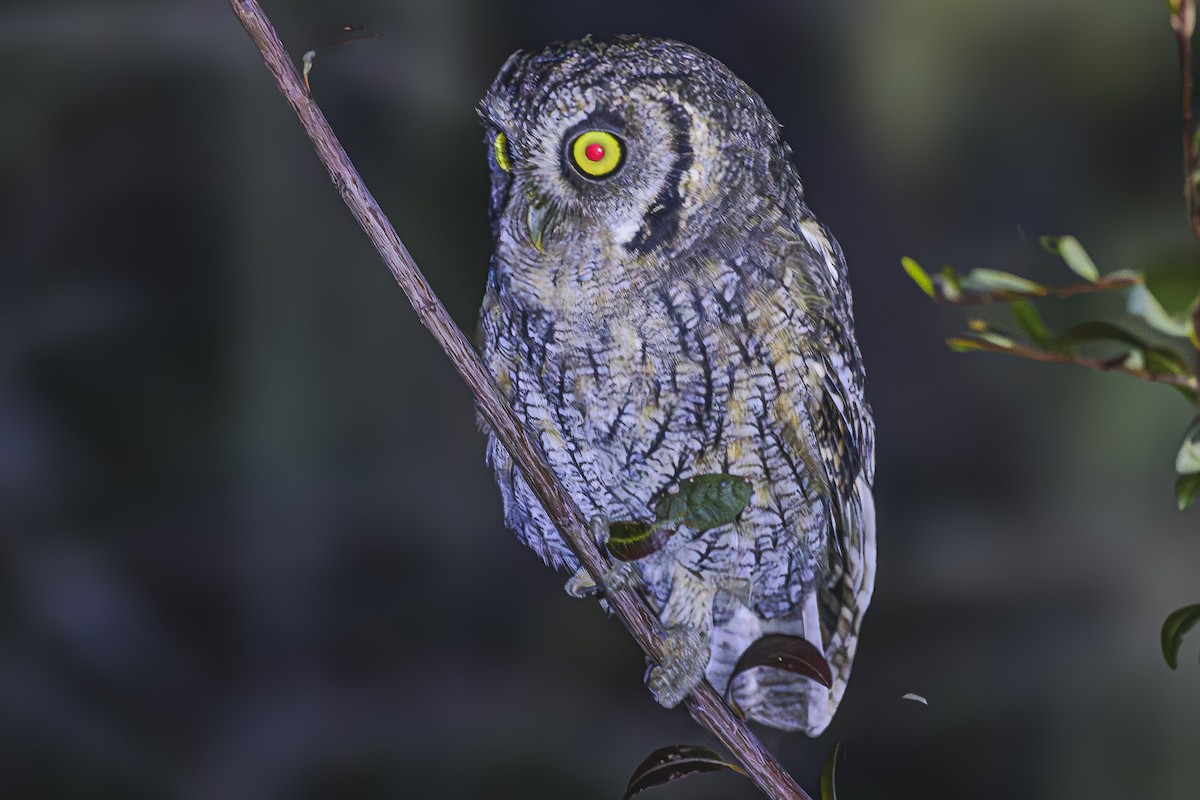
1183, 23
956, 295
704, 704
1187, 383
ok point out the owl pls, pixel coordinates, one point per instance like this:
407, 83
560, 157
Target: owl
661, 303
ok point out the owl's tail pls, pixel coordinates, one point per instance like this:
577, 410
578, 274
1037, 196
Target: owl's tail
782, 699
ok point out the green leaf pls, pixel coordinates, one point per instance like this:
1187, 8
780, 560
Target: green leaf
1153, 359
629, 541
1178, 623
668, 764
1072, 252
793, 654
1142, 303
827, 773
996, 339
919, 276
1187, 461
1134, 360
1173, 277
1027, 316
1166, 362
961, 345
703, 502
993, 280
1174, 280
949, 285
1187, 487
1097, 331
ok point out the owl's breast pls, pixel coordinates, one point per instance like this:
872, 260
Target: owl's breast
630, 400
643, 392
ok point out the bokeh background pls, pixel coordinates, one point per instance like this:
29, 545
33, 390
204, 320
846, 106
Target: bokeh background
250, 548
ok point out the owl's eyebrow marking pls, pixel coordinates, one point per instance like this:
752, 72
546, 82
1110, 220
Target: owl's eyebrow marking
662, 220
601, 119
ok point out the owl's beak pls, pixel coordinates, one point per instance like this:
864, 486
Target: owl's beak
541, 219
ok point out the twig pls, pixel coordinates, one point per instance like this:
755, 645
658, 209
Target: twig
354, 33
1183, 23
958, 296
704, 704
1188, 383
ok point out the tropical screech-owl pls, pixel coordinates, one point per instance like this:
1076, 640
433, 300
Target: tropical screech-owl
661, 303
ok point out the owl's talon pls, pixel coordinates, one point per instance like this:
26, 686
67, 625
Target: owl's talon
620, 576
581, 585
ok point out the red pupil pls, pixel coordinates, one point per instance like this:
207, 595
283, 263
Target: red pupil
594, 152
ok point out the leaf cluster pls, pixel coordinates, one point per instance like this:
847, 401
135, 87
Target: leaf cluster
1163, 351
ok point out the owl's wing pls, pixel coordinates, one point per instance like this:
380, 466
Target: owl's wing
843, 433
808, 330
844, 436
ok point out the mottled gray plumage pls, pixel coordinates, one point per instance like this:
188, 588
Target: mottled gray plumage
685, 314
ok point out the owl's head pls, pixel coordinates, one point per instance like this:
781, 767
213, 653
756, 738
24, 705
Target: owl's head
630, 143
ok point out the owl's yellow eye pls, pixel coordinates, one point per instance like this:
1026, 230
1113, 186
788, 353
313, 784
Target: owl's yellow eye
596, 154
500, 149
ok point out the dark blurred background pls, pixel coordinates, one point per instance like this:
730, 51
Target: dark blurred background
250, 546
